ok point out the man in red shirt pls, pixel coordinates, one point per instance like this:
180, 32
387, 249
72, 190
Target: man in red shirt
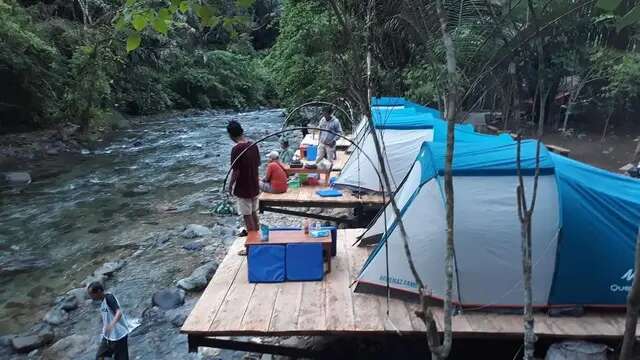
275, 179
244, 184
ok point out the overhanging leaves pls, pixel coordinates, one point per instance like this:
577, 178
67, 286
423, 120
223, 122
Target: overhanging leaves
133, 42
139, 21
632, 17
608, 5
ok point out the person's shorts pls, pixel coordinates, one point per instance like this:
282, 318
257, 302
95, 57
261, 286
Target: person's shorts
247, 206
326, 152
118, 350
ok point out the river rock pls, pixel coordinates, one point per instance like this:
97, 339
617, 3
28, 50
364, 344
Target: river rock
26, 343
69, 303
194, 246
17, 178
167, 299
107, 269
161, 238
21, 262
56, 316
137, 191
69, 348
194, 230
79, 293
92, 278
5, 340
200, 277
178, 316
103, 272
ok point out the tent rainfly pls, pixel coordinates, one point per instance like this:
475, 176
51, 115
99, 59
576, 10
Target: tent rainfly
584, 227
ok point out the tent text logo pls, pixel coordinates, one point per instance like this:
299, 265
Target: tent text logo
629, 275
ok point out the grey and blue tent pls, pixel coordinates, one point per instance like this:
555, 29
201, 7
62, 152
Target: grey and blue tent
584, 227
401, 127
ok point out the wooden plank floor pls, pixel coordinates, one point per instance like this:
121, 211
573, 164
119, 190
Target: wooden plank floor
230, 305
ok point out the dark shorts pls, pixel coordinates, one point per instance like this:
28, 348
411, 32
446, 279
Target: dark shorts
118, 350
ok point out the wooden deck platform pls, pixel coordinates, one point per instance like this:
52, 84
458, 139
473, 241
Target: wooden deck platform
230, 306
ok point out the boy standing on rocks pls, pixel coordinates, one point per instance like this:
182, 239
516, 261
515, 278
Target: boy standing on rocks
115, 328
244, 184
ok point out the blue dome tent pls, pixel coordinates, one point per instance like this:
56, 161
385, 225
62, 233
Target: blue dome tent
584, 227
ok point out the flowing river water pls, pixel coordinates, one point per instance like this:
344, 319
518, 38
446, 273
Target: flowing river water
115, 203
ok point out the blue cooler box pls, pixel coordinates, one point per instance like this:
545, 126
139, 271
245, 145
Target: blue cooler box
266, 263
304, 262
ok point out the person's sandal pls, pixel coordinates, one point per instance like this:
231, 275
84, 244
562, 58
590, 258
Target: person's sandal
243, 233
242, 252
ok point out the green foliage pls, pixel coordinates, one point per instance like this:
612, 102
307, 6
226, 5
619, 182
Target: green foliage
89, 88
301, 60
621, 73
28, 95
136, 16
621, 18
57, 69
424, 84
219, 78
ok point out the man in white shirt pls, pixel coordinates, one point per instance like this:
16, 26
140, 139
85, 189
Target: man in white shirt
327, 143
115, 329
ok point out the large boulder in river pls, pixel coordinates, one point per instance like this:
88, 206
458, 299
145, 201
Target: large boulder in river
108, 268
17, 178
69, 302
69, 348
56, 316
26, 343
200, 277
194, 231
167, 299
80, 294
103, 272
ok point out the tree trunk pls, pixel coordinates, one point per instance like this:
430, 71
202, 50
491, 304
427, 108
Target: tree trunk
544, 98
370, 8
525, 214
633, 309
636, 155
606, 126
442, 351
567, 112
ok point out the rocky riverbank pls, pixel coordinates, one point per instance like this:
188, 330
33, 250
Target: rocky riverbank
134, 213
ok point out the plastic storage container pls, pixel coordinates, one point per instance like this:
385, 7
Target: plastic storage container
312, 152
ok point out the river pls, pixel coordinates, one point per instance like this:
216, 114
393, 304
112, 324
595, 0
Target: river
114, 203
